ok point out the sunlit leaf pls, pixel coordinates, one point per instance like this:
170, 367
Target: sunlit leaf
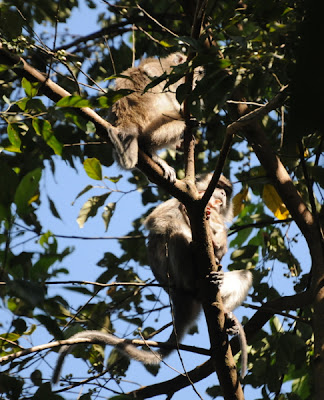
74, 101
90, 208
110, 98
165, 44
238, 201
26, 190
245, 252
31, 88
273, 201
93, 169
13, 135
108, 213
43, 128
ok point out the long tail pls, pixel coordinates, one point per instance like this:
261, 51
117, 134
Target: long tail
146, 357
242, 340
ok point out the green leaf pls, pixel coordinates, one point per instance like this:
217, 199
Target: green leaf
36, 377
27, 190
31, 292
183, 91
114, 179
317, 173
10, 385
43, 128
13, 134
31, 88
90, 208
93, 169
108, 213
110, 98
85, 190
50, 324
8, 183
53, 209
45, 392
74, 101
245, 252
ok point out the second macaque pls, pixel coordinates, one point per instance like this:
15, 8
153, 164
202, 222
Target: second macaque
172, 261
150, 120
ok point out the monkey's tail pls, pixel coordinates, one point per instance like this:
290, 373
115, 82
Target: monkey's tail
146, 357
243, 343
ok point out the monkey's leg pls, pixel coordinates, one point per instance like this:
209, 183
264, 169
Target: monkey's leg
163, 132
168, 172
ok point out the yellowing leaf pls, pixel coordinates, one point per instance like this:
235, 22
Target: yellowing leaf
238, 201
273, 201
93, 169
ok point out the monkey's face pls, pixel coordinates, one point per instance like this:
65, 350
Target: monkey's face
219, 200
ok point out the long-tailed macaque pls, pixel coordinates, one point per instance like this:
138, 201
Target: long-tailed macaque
171, 259
172, 262
150, 120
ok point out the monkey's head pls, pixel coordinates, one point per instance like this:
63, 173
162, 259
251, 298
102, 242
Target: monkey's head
221, 198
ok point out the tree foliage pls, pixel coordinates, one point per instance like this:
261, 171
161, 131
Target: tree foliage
255, 55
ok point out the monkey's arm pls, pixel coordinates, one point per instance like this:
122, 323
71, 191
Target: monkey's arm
99, 337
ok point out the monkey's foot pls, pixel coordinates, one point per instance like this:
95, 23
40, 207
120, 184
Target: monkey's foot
168, 172
231, 325
217, 278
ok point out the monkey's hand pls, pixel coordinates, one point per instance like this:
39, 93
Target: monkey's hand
217, 278
232, 327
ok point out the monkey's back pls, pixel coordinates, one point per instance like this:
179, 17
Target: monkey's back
168, 245
138, 109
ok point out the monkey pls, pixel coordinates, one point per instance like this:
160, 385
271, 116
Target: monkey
150, 120
146, 357
171, 260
